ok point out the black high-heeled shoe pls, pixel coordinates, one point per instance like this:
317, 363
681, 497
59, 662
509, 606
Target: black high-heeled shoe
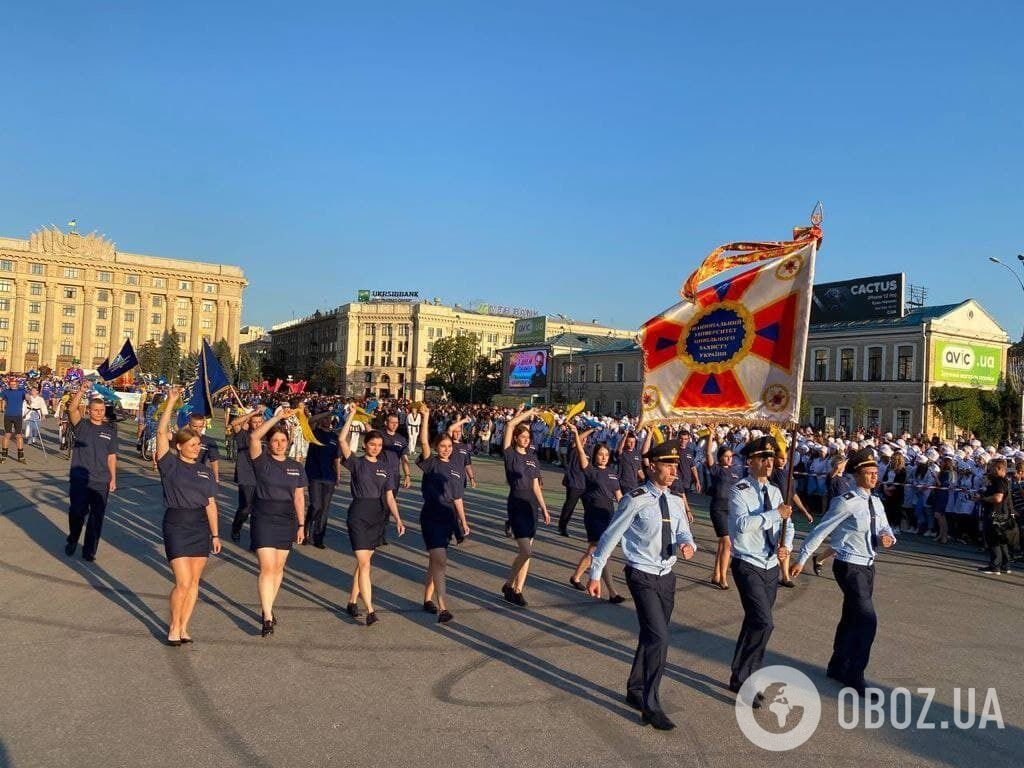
268, 628
173, 643
353, 610
371, 619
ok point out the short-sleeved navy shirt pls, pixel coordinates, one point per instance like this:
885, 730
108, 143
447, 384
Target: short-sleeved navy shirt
442, 481
277, 480
573, 477
629, 465
320, 458
244, 474
462, 456
14, 402
722, 481
520, 469
684, 476
186, 486
394, 448
93, 443
209, 452
370, 479
601, 486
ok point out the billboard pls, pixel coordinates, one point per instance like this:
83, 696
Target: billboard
964, 364
865, 298
528, 369
530, 330
364, 295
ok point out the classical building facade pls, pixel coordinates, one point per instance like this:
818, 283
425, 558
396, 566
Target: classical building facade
65, 296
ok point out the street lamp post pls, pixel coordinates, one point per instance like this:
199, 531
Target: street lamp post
1020, 385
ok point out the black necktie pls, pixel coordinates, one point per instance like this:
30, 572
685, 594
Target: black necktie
766, 506
874, 530
667, 547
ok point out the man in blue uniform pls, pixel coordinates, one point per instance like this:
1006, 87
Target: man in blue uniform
756, 513
93, 473
855, 525
651, 523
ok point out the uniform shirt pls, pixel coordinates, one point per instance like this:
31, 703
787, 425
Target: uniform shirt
722, 481
637, 523
186, 486
441, 484
277, 480
847, 526
208, 450
320, 458
394, 448
629, 465
601, 486
462, 457
684, 478
369, 479
573, 477
520, 469
92, 445
750, 526
244, 472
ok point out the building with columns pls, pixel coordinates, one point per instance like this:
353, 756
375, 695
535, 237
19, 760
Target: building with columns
65, 296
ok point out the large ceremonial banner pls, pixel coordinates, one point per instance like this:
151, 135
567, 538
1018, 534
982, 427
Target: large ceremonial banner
734, 351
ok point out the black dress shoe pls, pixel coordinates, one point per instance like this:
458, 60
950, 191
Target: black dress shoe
576, 583
444, 617
506, 592
268, 628
518, 599
353, 610
429, 607
635, 700
371, 618
173, 643
616, 599
788, 583
320, 544
657, 720
70, 547
563, 532
186, 640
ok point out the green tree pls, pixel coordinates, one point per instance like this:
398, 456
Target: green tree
452, 361
170, 357
859, 411
149, 357
325, 377
248, 369
222, 350
487, 379
187, 367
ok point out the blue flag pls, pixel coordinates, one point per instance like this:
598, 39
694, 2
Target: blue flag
210, 380
120, 365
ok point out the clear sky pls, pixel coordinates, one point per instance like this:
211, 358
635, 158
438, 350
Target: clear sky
575, 157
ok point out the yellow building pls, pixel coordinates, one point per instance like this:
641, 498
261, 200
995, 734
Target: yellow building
66, 296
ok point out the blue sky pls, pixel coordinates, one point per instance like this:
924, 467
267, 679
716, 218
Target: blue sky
576, 157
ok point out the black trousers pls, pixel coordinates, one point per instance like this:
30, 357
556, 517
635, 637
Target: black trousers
246, 497
856, 630
758, 588
87, 509
572, 496
320, 494
654, 598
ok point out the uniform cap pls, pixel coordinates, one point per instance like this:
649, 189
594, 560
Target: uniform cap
861, 459
762, 446
667, 451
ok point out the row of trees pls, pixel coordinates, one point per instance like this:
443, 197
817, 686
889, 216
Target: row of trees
166, 359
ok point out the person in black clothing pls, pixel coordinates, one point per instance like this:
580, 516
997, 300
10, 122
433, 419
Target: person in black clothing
209, 451
600, 498
245, 477
630, 459
190, 517
574, 482
93, 473
279, 510
323, 470
443, 486
996, 518
724, 475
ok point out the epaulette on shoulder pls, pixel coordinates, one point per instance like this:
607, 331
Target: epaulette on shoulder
742, 485
849, 495
636, 492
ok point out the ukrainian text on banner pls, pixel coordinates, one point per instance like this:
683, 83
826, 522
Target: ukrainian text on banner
736, 352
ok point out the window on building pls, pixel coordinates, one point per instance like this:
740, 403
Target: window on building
387, 330
3, 343
5, 323
368, 377
35, 307
209, 287
102, 295
184, 304
618, 407
874, 418
99, 350
904, 363
32, 346
101, 313
104, 277
368, 360
5, 305
67, 328
207, 323
37, 269
155, 336
818, 417
131, 279
159, 282
5, 286
368, 329
846, 357
71, 272
207, 306
583, 373
6, 266
184, 285
430, 346
131, 298
155, 318
439, 333
843, 419
820, 370
157, 301
181, 337
597, 373
100, 332
33, 326
369, 346
69, 310
129, 316
430, 333
36, 289
620, 370
902, 421
383, 361
403, 330
181, 322
874, 363
67, 348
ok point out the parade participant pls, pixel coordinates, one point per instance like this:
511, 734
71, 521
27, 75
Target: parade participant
245, 476
894, 483
573, 480
756, 513
372, 499
443, 514
323, 470
190, 517
13, 401
780, 478
209, 451
856, 525
93, 473
628, 453
600, 497
996, 518
395, 456
651, 523
723, 475
278, 511
462, 453
524, 496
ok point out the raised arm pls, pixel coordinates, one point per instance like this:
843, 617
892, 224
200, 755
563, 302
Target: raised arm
237, 422
709, 458
343, 445
256, 438
510, 427
456, 424
425, 433
577, 442
75, 406
163, 443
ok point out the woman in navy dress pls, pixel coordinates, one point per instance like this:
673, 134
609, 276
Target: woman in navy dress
443, 515
279, 510
723, 477
522, 472
600, 497
190, 517
373, 497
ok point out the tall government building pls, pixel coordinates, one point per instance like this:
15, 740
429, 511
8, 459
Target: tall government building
67, 296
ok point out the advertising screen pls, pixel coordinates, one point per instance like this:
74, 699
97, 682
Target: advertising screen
966, 365
866, 298
528, 369
530, 330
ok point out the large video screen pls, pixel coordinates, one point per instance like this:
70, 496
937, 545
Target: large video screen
528, 369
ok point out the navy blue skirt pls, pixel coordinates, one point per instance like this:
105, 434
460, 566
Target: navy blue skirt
186, 532
438, 526
522, 514
273, 524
